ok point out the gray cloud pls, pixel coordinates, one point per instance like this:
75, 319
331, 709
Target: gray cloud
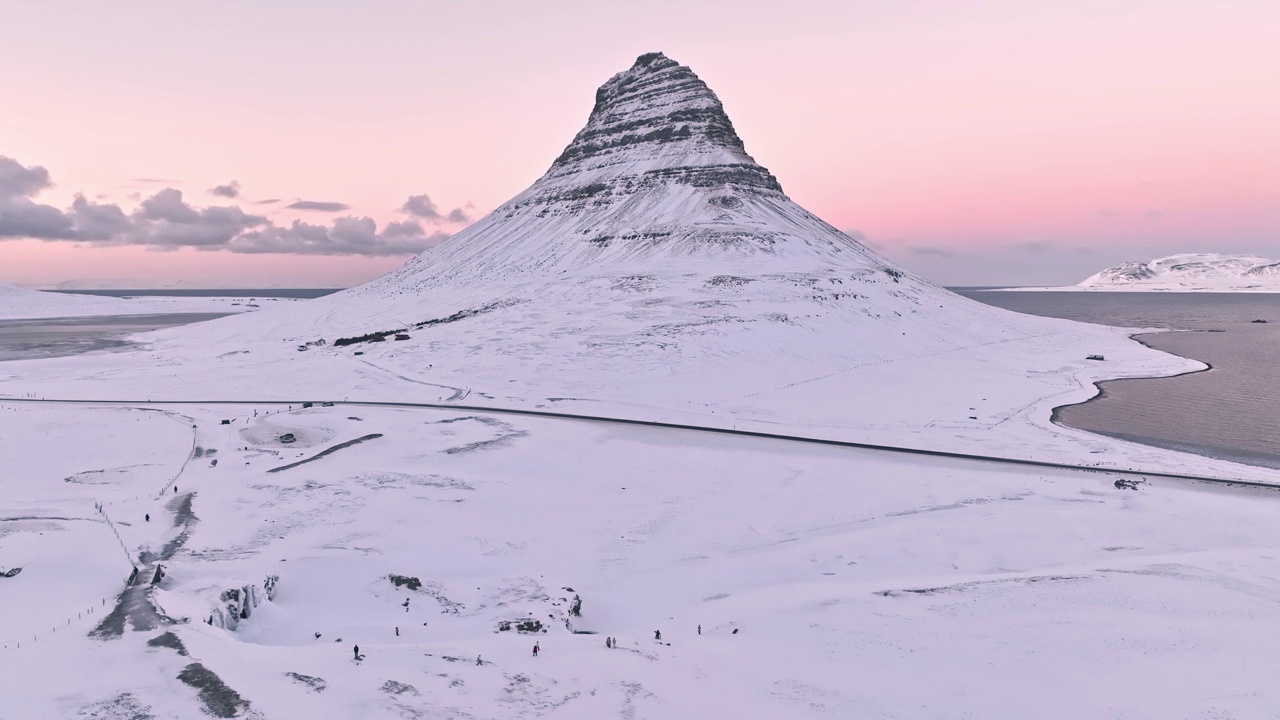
22, 217
98, 222
166, 221
1032, 246
347, 236
862, 238
421, 206
272, 201
19, 181
319, 205
932, 250
231, 190
168, 205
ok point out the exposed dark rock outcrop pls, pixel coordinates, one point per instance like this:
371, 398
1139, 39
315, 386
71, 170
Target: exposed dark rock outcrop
659, 102
218, 699
314, 683
407, 581
526, 625
391, 687
169, 640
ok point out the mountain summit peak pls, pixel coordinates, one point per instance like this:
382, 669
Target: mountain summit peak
659, 116
657, 181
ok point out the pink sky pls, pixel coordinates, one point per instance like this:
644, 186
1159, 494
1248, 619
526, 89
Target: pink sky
975, 142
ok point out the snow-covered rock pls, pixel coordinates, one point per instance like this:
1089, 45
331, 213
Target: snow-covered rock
236, 604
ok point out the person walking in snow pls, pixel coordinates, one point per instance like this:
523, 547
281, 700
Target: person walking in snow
657, 634
148, 517
608, 642
535, 649
479, 661
356, 650
699, 629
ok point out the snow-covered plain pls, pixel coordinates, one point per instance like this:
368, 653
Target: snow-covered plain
862, 584
656, 273
18, 303
1188, 272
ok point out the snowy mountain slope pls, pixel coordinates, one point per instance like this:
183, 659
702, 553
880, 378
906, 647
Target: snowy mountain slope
1190, 272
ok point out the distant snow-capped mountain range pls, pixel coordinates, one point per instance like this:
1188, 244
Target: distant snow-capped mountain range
1187, 272
1191, 271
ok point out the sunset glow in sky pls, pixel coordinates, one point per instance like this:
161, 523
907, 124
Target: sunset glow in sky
1025, 142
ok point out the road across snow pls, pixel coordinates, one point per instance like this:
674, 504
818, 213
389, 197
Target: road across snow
1127, 472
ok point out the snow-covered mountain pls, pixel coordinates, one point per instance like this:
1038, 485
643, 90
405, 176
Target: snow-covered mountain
656, 272
1211, 272
658, 180
654, 261
656, 192
654, 266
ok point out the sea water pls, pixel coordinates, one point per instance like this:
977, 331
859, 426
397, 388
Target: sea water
1231, 411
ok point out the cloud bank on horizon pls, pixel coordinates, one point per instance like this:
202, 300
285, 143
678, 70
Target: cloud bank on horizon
165, 220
